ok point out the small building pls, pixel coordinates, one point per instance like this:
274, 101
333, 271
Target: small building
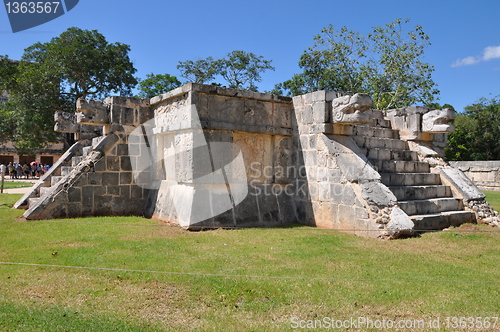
47, 156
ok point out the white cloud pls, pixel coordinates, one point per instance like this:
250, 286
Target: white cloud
470, 60
489, 53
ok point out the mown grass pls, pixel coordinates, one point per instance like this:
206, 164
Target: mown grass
12, 185
161, 277
493, 197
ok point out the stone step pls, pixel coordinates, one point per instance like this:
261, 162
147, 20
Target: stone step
400, 166
430, 206
65, 170
439, 221
383, 143
86, 151
410, 179
44, 190
32, 201
406, 193
76, 160
371, 131
386, 154
54, 180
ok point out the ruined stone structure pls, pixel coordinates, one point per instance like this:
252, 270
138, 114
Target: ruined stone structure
205, 156
484, 174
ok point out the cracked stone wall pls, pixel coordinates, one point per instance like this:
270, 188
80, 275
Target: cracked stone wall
197, 143
484, 174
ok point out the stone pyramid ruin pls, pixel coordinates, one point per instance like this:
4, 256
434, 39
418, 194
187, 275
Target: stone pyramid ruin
207, 157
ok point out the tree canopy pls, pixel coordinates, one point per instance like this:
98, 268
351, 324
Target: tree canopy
387, 64
86, 63
240, 69
155, 85
198, 71
477, 132
52, 76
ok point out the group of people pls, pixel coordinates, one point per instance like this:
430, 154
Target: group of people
28, 170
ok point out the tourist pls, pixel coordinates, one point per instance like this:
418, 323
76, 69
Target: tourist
11, 170
33, 169
26, 170
19, 171
39, 170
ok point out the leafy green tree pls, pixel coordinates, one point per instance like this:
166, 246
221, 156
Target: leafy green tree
387, 64
86, 63
52, 76
200, 71
240, 69
30, 110
477, 133
155, 85
8, 72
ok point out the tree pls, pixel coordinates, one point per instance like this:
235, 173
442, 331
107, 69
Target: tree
155, 85
387, 64
477, 132
8, 72
240, 69
30, 109
86, 63
200, 71
52, 76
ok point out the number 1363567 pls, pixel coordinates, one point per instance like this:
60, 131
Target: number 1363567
32, 7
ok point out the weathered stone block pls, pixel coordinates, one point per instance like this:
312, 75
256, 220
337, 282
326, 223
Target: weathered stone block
82, 180
324, 191
349, 196
110, 179
87, 210
320, 112
128, 116
125, 177
113, 190
125, 192
113, 163
122, 150
135, 192
87, 195
102, 205
94, 178
125, 164
74, 194
337, 192
100, 166
145, 114
74, 210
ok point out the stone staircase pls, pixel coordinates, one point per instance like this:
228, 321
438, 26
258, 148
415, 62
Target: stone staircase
59, 171
419, 192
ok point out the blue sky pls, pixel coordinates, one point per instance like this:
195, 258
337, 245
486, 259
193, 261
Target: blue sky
465, 35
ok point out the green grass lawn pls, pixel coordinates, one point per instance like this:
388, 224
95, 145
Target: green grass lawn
12, 185
139, 275
493, 197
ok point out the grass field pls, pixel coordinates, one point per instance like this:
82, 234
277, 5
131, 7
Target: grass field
493, 197
132, 274
12, 185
